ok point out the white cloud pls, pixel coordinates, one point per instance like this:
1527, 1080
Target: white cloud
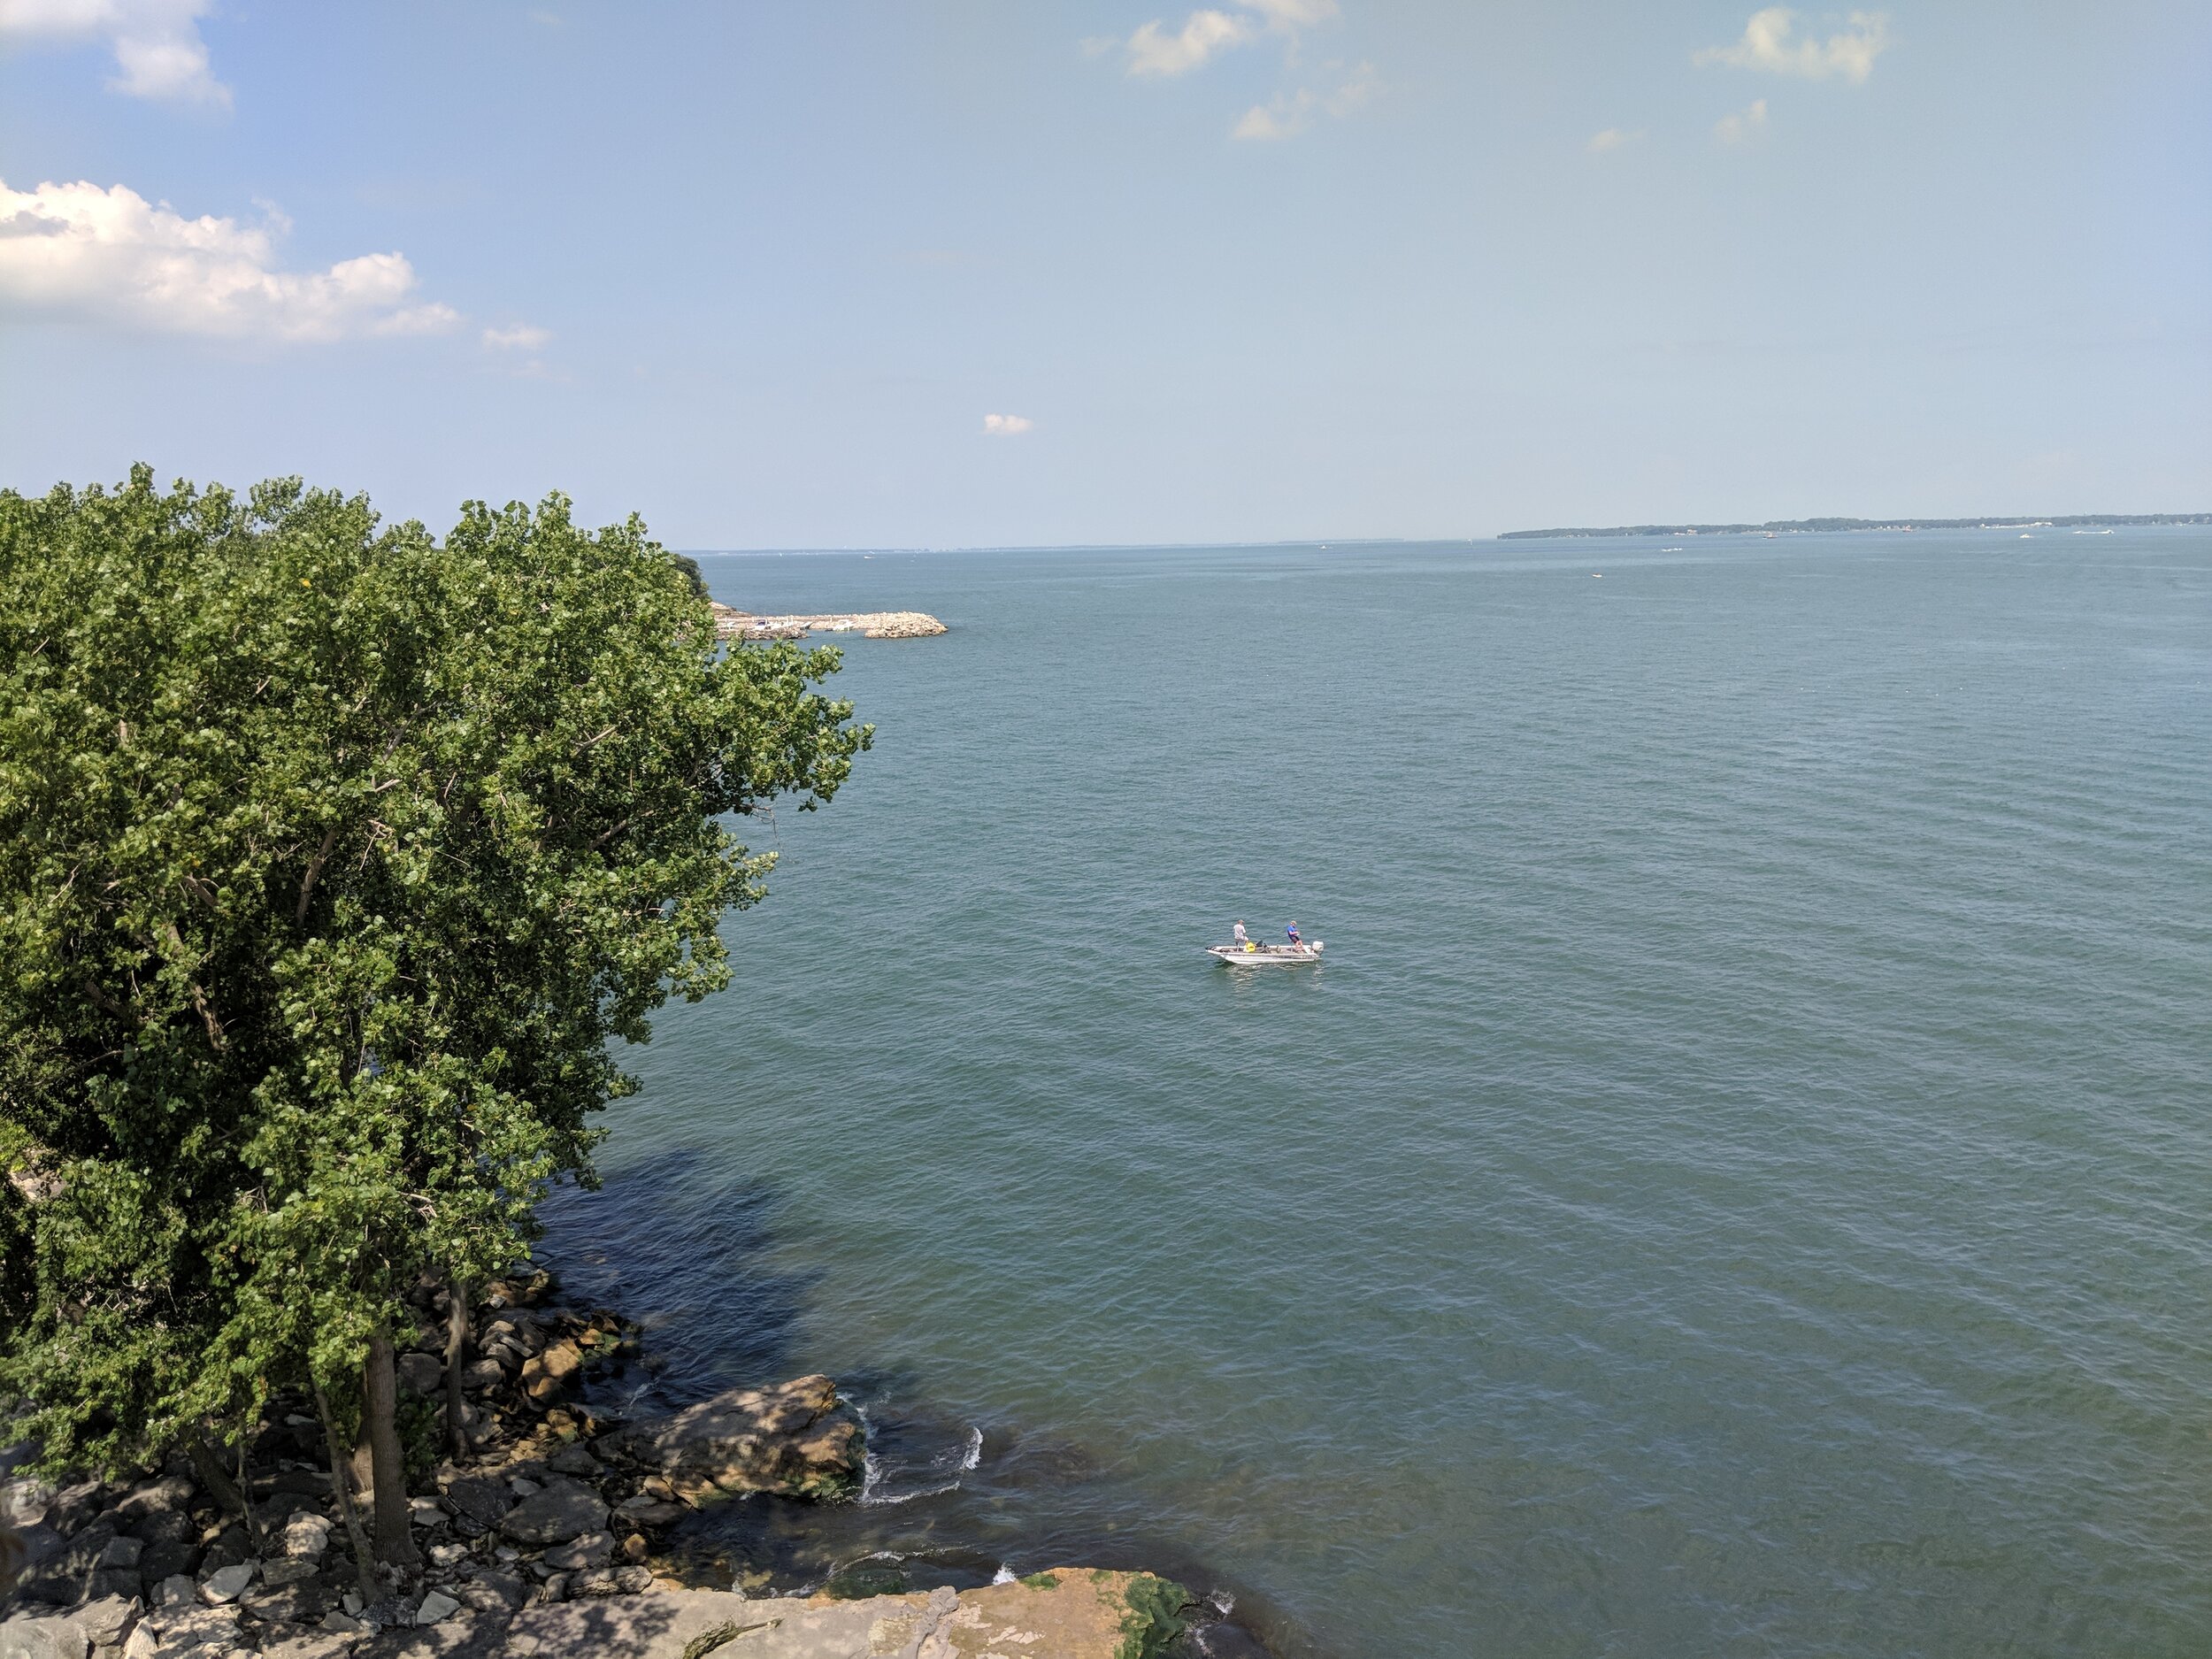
1740, 127
157, 43
1769, 42
1611, 138
1288, 114
1293, 14
113, 256
1007, 426
521, 337
1285, 115
1152, 51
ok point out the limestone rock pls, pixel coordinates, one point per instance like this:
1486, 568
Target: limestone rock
564, 1510
436, 1606
55, 1636
644, 1510
140, 1644
107, 1621
793, 1439
480, 1498
154, 1497
311, 1645
545, 1375
121, 1551
72, 1507
306, 1534
1065, 1614
226, 1584
593, 1549
176, 1590
195, 1627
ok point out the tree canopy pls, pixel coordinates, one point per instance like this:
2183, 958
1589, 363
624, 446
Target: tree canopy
334, 860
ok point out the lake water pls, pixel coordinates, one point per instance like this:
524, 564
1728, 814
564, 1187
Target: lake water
1740, 1183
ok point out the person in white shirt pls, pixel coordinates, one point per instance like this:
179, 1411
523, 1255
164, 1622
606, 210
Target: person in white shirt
1237, 931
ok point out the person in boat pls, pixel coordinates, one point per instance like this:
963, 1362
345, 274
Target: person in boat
1297, 943
1242, 942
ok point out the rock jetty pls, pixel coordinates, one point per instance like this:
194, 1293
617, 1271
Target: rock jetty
542, 1542
875, 625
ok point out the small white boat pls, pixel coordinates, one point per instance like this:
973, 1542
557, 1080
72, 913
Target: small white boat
1257, 955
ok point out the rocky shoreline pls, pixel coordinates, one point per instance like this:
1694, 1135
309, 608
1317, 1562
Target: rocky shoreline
732, 624
545, 1540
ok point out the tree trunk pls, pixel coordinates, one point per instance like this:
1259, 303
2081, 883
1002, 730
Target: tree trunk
211, 1474
457, 1336
245, 1486
395, 1534
342, 1483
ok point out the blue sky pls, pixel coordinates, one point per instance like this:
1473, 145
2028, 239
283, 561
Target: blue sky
1285, 268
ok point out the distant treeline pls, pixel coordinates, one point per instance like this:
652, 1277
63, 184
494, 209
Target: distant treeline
1782, 526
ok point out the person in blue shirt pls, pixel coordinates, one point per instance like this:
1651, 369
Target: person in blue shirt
1293, 931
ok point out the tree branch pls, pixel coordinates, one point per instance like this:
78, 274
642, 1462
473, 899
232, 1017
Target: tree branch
314, 874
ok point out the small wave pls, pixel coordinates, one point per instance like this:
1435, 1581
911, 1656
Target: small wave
870, 1465
881, 1498
1004, 1575
975, 1449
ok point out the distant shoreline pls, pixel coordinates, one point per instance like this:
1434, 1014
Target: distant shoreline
1803, 526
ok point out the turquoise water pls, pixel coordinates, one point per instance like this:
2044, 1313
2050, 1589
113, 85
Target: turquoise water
1738, 1184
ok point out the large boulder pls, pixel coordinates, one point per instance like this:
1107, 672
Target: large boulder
796, 1439
58, 1637
1070, 1613
564, 1510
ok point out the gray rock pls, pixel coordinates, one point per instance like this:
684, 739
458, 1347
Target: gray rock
176, 1590
168, 1494
436, 1606
796, 1439
644, 1509
24, 1500
593, 1549
421, 1373
226, 1584
141, 1644
633, 1580
163, 1561
291, 1604
200, 1627
564, 1510
310, 1645
55, 1636
290, 1569
573, 1460
112, 1581
480, 1498
121, 1552
485, 1373
306, 1534
73, 1506
490, 1592
107, 1621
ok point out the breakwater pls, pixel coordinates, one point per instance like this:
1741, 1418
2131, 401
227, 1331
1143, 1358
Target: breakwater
733, 623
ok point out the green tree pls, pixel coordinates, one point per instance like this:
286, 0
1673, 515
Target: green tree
334, 860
